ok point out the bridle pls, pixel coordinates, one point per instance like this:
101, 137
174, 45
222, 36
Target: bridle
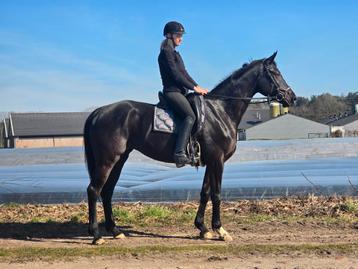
280, 96
281, 92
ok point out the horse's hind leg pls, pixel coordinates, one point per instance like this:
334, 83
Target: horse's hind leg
107, 193
93, 191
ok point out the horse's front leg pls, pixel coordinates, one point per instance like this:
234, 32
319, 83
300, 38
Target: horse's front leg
204, 198
215, 185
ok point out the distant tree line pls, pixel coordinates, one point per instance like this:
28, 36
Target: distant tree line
325, 107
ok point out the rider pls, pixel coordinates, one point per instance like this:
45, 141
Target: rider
176, 83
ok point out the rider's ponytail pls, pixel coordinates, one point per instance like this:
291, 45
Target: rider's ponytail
168, 42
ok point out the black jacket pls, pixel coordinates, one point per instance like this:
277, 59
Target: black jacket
172, 70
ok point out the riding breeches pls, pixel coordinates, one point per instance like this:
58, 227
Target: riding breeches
182, 108
180, 105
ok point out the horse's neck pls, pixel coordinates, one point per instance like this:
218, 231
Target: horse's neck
236, 107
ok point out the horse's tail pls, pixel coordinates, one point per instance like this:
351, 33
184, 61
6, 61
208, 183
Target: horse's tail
89, 156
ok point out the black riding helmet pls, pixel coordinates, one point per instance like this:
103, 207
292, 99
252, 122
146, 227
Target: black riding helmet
173, 27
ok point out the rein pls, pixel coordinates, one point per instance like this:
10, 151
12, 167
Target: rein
279, 97
226, 97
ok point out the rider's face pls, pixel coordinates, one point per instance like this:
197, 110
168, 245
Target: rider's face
177, 38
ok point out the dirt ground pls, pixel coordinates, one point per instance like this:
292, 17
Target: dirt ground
307, 233
203, 262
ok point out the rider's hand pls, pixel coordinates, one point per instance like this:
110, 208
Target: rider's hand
200, 90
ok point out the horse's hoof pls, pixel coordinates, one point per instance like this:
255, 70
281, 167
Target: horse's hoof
206, 235
223, 235
98, 242
226, 238
119, 236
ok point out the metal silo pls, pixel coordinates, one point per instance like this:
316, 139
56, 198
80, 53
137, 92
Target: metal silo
275, 109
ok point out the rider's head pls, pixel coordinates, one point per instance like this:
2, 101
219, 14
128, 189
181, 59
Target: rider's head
174, 30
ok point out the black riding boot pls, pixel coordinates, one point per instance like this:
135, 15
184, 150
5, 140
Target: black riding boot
183, 134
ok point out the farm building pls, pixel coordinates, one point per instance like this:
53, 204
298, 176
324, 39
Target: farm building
3, 115
345, 126
255, 114
288, 126
28, 130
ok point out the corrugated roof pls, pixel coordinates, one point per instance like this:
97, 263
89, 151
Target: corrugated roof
344, 121
3, 115
48, 124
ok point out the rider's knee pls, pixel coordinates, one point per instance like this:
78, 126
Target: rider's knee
190, 119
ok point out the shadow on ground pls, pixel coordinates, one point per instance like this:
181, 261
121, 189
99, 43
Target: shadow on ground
67, 230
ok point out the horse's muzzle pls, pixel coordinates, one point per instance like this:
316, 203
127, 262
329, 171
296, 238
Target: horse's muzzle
286, 98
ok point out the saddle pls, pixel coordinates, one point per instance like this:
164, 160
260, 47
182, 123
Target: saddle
165, 120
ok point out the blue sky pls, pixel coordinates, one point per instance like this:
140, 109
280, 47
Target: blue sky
76, 55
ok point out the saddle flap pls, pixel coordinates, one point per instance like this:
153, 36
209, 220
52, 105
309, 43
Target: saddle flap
197, 103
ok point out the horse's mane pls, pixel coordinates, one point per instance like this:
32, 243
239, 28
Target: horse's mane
236, 74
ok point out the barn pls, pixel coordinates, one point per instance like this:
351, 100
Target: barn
287, 126
345, 126
30, 130
255, 114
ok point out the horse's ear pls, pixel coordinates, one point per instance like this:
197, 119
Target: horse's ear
270, 59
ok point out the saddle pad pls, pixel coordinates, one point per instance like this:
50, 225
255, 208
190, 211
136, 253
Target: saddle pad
163, 120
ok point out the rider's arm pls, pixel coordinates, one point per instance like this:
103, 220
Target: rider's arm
189, 78
175, 72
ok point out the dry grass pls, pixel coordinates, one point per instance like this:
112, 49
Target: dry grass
328, 209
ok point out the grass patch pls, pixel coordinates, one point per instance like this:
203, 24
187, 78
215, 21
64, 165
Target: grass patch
156, 212
11, 205
41, 220
79, 217
326, 210
123, 215
36, 220
51, 254
350, 206
187, 216
156, 215
76, 219
255, 218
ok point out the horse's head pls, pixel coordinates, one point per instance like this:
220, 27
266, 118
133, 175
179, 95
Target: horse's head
271, 83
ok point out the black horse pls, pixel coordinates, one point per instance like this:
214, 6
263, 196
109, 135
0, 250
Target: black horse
111, 132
